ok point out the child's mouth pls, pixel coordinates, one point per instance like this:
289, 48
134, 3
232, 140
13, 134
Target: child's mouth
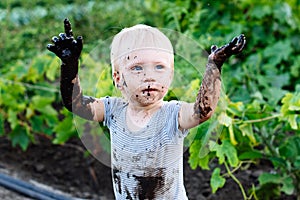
149, 90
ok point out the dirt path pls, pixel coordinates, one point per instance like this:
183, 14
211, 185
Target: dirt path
65, 168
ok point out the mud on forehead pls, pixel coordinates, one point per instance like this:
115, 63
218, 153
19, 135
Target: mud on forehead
157, 51
148, 55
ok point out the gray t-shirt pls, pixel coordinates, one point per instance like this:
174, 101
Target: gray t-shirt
146, 164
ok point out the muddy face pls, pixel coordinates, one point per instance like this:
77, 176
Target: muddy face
146, 76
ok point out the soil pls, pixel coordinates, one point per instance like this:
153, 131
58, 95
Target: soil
66, 168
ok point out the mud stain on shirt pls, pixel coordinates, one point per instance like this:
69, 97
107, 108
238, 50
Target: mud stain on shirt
150, 185
117, 179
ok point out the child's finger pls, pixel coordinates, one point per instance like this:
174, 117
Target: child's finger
79, 42
55, 39
52, 48
242, 42
241, 39
213, 48
233, 42
68, 28
62, 36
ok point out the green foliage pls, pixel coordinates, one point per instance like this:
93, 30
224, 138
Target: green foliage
30, 100
290, 109
258, 114
216, 180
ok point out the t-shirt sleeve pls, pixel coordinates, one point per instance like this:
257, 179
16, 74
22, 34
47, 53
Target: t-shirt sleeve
174, 109
110, 104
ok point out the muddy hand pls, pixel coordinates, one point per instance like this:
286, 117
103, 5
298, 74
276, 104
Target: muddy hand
65, 46
219, 55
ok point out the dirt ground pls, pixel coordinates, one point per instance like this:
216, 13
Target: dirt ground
67, 169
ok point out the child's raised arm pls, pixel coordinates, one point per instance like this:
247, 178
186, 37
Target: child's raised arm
68, 50
192, 114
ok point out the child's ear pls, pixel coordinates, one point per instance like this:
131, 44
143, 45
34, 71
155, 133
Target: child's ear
117, 79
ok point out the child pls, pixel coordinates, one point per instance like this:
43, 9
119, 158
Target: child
146, 132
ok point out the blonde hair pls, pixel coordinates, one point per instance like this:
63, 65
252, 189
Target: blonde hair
137, 37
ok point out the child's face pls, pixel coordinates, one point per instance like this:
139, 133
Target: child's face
145, 75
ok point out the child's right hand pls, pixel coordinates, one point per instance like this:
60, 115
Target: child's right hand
219, 55
65, 46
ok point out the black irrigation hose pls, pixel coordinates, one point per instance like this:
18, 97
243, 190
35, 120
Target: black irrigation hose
29, 190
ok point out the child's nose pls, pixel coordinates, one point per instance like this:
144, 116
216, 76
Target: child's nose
149, 75
148, 79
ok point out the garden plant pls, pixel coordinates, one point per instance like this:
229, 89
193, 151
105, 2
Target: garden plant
258, 117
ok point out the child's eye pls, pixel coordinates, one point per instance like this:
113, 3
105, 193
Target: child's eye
137, 68
159, 67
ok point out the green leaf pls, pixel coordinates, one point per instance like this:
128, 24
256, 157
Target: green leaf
230, 152
224, 119
216, 181
279, 51
274, 94
295, 68
260, 11
278, 161
29, 112
295, 102
278, 81
64, 130
297, 162
204, 162
247, 130
37, 124
40, 102
51, 120
286, 181
17, 71
290, 149
235, 108
12, 119
253, 154
43, 105
225, 150
37, 68
288, 186
289, 109
265, 178
199, 149
2, 125
52, 70
231, 135
292, 119
282, 12
194, 154
49, 110
20, 136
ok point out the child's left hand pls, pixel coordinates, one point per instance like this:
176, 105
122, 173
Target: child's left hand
219, 55
66, 47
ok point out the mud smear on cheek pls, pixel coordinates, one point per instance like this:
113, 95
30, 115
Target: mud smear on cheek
124, 82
